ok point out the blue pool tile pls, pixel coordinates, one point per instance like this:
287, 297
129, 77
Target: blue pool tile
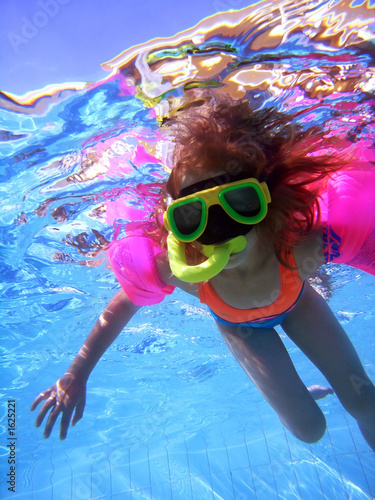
341, 437
120, 481
82, 487
258, 451
323, 447
342, 440
359, 440
126, 495
368, 464
330, 477
237, 453
178, 463
101, 479
269, 419
162, 491
197, 456
243, 484
222, 486
201, 488
298, 449
120, 471
308, 480
286, 481
61, 490
264, 483
218, 458
41, 483
181, 490
355, 480
159, 466
198, 462
142, 494
139, 468
82, 470
360, 443
278, 446
62, 478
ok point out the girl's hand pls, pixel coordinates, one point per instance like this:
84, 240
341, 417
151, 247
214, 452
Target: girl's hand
67, 394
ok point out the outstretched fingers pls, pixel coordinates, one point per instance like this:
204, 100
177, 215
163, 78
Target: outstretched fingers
42, 396
52, 419
67, 413
58, 407
50, 403
78, 413
63, 397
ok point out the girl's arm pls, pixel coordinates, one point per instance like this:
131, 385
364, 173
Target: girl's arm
69, 392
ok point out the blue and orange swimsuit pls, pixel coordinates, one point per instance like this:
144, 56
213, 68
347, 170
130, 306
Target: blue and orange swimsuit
291, 287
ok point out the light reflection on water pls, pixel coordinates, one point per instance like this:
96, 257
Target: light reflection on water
78, 162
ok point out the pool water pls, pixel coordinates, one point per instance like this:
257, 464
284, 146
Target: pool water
169, 413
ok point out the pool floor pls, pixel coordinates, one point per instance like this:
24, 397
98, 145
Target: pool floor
171, 415
234, 465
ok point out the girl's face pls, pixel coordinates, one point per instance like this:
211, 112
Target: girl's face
220, 227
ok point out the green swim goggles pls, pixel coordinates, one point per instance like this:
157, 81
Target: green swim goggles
245, 201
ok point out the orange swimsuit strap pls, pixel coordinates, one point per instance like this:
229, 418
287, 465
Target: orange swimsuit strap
291, 286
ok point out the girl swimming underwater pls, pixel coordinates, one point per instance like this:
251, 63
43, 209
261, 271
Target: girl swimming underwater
254, 207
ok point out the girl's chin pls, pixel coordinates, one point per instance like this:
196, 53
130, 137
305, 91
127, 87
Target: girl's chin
235, 259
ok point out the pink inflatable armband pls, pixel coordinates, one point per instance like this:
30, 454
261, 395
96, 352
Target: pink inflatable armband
348, 210
133, 260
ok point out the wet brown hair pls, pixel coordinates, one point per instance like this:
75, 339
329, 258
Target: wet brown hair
224, 137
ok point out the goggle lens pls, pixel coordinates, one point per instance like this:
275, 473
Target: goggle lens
188, 217
243, 200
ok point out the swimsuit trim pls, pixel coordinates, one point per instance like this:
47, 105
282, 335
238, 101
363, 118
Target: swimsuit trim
290, 290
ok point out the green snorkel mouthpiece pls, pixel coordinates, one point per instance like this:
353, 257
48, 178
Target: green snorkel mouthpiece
218, 256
